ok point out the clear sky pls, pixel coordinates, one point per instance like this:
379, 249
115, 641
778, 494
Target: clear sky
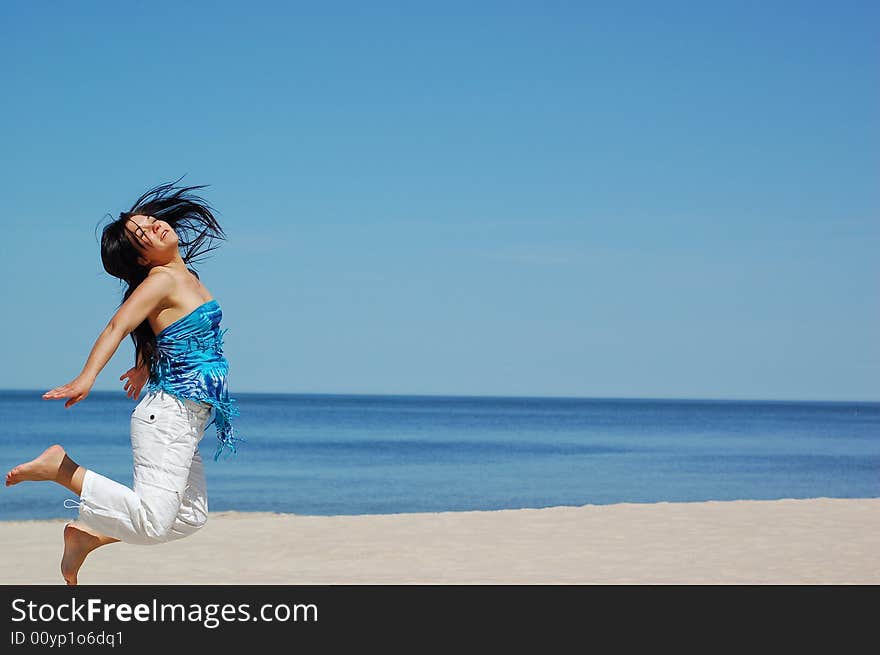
609, 199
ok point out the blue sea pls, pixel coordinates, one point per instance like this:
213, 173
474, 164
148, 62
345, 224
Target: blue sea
351, 454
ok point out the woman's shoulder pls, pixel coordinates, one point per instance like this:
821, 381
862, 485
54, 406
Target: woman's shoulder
182, 291
185, 282
160, 283
161, 272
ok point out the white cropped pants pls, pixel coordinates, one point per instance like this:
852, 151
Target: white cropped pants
169, 499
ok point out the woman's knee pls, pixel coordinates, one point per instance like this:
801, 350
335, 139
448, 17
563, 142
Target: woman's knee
193, 512
159, 508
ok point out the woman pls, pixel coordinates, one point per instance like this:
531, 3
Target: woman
174, 322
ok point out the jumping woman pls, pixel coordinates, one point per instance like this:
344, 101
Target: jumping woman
174, 322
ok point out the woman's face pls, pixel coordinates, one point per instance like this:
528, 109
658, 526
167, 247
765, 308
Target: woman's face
154, 238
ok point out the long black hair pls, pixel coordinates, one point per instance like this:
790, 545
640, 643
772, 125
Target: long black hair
198, 232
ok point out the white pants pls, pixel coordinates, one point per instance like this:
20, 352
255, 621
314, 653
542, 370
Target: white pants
169, 499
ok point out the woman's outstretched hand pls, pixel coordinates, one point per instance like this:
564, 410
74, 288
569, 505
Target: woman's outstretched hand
137, 378
76, 390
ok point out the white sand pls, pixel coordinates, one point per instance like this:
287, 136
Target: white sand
816, 541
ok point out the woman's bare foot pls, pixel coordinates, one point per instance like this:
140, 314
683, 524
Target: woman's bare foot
44, 467
77, 544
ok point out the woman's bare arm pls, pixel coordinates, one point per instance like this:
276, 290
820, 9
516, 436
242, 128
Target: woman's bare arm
143, 300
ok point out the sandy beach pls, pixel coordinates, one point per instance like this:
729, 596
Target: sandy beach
814, 541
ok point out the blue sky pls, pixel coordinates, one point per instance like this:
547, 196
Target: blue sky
616, 199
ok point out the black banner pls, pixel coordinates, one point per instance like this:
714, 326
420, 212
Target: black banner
119, 617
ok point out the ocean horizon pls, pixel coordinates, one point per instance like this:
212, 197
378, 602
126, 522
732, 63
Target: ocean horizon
349, 454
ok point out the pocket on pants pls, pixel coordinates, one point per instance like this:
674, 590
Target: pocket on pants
145, 414
146, 419
160, 416
161, 443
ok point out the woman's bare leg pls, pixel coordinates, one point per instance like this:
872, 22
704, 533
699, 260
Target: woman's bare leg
54, 465
79, 541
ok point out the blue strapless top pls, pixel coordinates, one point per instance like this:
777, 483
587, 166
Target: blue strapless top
189, 363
